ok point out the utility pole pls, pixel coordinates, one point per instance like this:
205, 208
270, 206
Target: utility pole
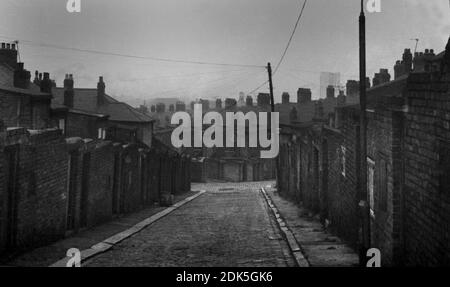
273, 133
272, 101
363, 194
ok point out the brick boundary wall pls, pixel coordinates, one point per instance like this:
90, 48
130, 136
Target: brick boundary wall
64, 185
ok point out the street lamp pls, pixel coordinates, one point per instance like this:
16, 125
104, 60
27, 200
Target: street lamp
362, 186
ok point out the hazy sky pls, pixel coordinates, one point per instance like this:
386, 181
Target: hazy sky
228, 31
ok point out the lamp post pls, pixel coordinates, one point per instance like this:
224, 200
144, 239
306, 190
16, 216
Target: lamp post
363, 196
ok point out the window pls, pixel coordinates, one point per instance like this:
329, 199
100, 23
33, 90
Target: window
62, 125
371, 185
382, 185
343, 154
101, 133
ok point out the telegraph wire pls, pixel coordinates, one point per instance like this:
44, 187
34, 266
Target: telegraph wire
32, 43
290, 39
286, 49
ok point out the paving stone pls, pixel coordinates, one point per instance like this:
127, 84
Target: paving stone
220, 228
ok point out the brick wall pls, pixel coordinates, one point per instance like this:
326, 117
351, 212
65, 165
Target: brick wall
130, 189
409, 153
427, 204
78, 125
341, 192
3, 190
20, 110
67, 184
39, 201
384, 150
100, 182
15, 111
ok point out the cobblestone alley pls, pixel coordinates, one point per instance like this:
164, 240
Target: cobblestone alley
229, 225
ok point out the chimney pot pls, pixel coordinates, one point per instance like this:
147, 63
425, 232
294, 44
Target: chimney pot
8, 46
46, 84
3, 45
100, 91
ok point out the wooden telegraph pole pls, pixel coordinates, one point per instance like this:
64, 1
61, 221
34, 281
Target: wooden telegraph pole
363, 192
273, 133
272, 101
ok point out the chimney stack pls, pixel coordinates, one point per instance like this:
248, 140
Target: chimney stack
303, 95
101, 92
160, 108
230, 103
8, 55
352, 88
218, 104
205, 104
408, 60
422, 61
285, 98
69, 92
46, 84
180, 107
21, 77
249, 101
341, 99
382, 77
263, 99
330, 92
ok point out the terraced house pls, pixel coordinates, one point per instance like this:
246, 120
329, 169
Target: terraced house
72, 158
408, 144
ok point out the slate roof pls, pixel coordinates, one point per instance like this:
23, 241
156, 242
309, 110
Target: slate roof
7, 83
86, 100
122, 112
6, 75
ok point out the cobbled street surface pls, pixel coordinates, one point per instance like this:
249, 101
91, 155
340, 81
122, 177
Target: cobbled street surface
228, 226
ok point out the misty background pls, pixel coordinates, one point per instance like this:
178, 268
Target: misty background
242, 32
